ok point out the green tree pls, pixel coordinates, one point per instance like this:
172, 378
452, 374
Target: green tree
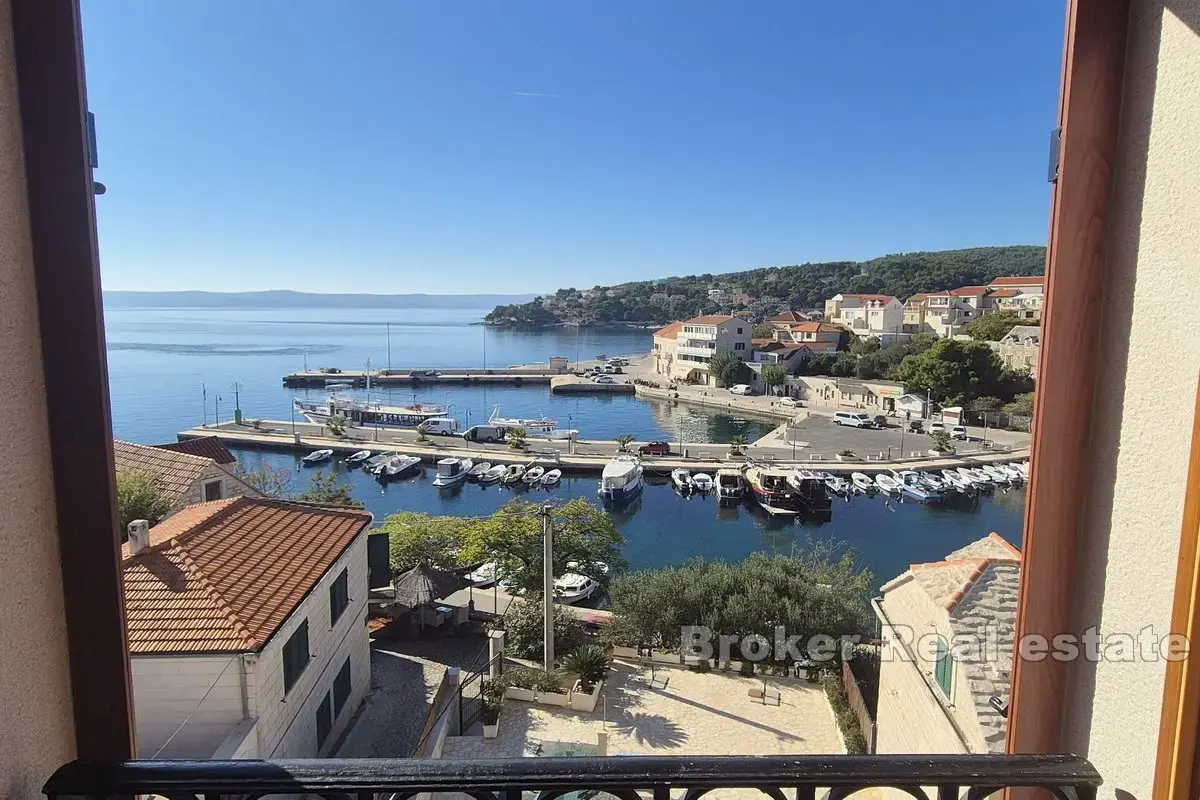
941, 442
819, 364
270, 481
864, 344
524, 632
415, 538
844, 365
1022, 405
763, 330
955, 371
774, 375
738, 373
423, 432
336, 425
720, 366
515, 438
993, 327
623, 441
140, 496
584, 537
326, 490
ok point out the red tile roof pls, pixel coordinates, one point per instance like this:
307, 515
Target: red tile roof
789, 316
224, 576
176, 472
1004, 293
203, 446
816, 327
1015, 280
670, 330
709, 319
874, 298
969, 291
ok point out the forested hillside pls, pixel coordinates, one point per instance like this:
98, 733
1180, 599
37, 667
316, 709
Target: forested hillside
800, 286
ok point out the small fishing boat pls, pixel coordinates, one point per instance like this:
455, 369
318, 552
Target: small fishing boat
862, 482
887, 483
838, 485
979, 479
702, 481
1012, 472
399, 465
810, 489
953, 480
934, 481
375, 464
316, 457
552, 477
476, 472
357, 458
682, 480
995, 474
534, 475
494, 474
452, 471
513, 473
912, 485
770, 488
730, 484
621, 478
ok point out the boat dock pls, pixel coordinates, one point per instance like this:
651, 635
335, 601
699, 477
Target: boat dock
357, 378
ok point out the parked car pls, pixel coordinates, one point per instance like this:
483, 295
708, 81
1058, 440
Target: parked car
934, 427
484, 433
916, 427
604, 379
617, 370
442, 426
741, 388
880, 421
655, 449
855, 419
789, 402
958, 432
608, 369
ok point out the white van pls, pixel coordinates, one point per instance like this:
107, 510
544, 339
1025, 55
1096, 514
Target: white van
484, 433
741, 388
855, 419
442, 426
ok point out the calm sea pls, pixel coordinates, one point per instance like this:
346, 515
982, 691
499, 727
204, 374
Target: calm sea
171, 369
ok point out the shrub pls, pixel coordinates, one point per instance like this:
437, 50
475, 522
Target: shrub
847, 720
523, 629
534, 679
701, 666
492, 694
590, 663
846, 454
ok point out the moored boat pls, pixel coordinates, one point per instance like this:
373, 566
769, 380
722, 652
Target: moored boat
837, 484
862, 482
452, 471
397, 466
702, 481
811, 491
621, 478
494, 474
887, 483
682, 480
912, 485
317, 457
730, 483
361, 413
552, 477
513, 473
770, 488
533, 475
357, 458
535, 428
476, 472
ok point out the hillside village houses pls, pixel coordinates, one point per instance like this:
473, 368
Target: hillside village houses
1019, 348
683, 350
188, 472
246, 627
877, 315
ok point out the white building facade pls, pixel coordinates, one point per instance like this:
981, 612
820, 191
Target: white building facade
877, 315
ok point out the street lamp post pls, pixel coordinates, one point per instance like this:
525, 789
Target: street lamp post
548, 586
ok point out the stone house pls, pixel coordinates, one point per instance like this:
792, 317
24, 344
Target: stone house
1020, 347
185, 478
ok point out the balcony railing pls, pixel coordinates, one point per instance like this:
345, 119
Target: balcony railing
626, 777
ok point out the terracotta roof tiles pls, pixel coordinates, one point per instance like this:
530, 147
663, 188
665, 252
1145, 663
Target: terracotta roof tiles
176, 472
1015, 280
709, 319
670, 331
203, 446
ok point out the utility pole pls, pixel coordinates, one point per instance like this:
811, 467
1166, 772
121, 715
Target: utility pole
217, 410
204, 402
389, 342
548, 585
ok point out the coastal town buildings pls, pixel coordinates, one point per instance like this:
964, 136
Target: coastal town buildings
186, 473
947, 627
1020, 347
947, 313
877, 315
246, 634
683, 350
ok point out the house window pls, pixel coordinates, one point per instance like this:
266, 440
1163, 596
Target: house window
944, 669
739, 331
339, 597
212, 490
739, 346
295, 656
324, 720
341, 688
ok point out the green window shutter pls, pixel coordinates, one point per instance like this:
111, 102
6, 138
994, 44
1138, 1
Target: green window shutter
944, 671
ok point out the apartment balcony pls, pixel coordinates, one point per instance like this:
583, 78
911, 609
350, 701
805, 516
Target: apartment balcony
689, 350
627, 777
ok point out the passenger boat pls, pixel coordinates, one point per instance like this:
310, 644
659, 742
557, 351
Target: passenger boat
887, 483
837, 484
476, 472
357, 458
771, 490
682, 480
316, 457
534, 474
535, 428
452, 471
494, 474
912, 485
513, 473
702, 481
397, 466
365, 413
730, 483
552, 477
862, 482
621, 478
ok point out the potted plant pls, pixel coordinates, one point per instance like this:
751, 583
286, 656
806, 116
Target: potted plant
516, 438
623, 442
737, 444
549, 689
492, 692
941, 444
591, 664
521, 683
846, 455
336, 425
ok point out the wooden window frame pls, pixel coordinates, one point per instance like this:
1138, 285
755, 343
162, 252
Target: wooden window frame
48, 56
290, 657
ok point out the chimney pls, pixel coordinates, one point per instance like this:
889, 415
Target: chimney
139, 536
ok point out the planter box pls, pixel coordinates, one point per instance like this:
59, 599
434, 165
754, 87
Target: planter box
581, 701
659, 657
491, 731
940, 454
517, 693
553, 698
691, 661
625, 652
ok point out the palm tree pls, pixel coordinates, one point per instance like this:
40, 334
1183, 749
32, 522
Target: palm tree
422, 429
516, 438
623, 442
737, 442
336, 425
589, 662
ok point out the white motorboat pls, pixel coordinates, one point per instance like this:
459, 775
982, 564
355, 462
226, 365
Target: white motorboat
484, 574
955, 481
375, 464
535, 428
837, 484
494, 474
316, 457
476, 472
934, 481
862, 482
621, 478
979, 479
357, 458
887, 483
1012, 472
730, 483
682, 480
571, 588
702, 481
912, 485
513, 473
1023, 468
997, 475
552, 477
452, 471
399, 465
534, 475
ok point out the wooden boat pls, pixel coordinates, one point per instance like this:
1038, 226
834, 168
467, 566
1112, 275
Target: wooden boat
316, 457
494, 474
552, 477
837, 484
476, 472
702, 481
513, 473
770, 488
534, 474
887, 483
862, 482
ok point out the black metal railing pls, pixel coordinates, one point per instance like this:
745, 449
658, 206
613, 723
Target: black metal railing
626, 777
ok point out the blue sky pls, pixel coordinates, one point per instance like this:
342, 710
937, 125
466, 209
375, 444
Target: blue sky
524, 145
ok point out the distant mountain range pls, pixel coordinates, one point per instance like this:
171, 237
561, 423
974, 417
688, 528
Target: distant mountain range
282, 298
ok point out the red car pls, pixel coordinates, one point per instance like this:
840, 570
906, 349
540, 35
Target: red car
655, 449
